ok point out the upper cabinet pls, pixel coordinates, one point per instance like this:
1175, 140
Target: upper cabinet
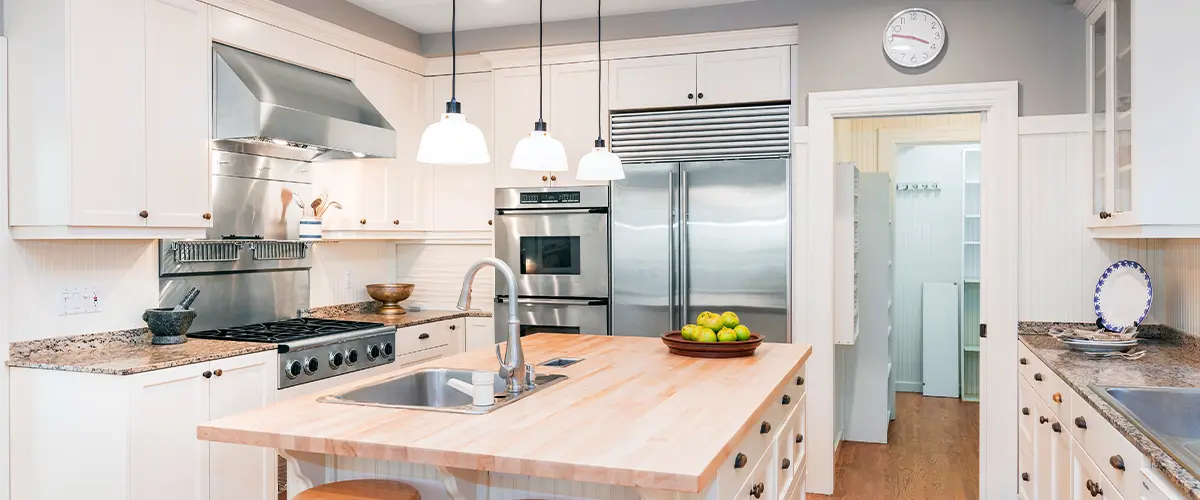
1142, 178
516, 108
711, 78
110, 108
577, 116
463, 194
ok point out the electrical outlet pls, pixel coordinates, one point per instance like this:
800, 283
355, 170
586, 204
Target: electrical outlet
349, 281
64, 302
91, 299
78, 300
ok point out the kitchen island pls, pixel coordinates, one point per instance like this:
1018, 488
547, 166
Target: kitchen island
630, 420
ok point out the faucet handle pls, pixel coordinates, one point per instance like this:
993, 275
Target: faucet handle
505, 368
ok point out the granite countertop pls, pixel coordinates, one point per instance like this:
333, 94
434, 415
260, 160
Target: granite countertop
369, 312
1170, 361
123, 352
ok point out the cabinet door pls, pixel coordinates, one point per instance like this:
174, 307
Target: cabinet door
344, 180
653, 82
751, 75
516, 105
1052, 455
578, 118
178, 61
244, 383
409, 182
165, 407
464, 195
108, 112
1087, 483
481, 334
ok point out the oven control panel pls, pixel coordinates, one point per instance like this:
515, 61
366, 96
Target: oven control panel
550, 197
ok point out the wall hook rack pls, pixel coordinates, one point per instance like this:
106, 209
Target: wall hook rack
918, 186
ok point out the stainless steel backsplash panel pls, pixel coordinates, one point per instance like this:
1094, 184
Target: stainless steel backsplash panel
231, 299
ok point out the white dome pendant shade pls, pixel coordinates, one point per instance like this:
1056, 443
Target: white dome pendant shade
539, 151
600, 165
453, 140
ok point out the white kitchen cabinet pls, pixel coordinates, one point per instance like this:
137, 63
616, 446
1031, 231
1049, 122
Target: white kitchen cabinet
726, 77
463, 195
113, 101
516, 108
578, 118
481, 334
1143, 106
134, 436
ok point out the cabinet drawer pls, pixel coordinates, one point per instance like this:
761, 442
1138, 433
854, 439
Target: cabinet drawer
1026, 414
1051, 389
421, 337
758, 486
786, 461
1116, 457
742, 463
423, 355
1087, 482
1155, 487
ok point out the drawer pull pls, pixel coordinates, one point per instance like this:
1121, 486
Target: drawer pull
423, 336
1037, 377
1025, 410
1117, 462
1025, 476
452, 327
1080, 423
218, 372
739, 461
1043, 419
757, 490
799, 380
1057, 397
786, 463
1024, 361
1094, 488
799, 438
1056, 427
206, 374
787, 400
766, 427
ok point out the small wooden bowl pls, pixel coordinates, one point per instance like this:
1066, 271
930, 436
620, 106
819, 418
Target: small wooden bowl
690, 348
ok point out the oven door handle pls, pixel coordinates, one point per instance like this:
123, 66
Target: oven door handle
550, 211
556, 302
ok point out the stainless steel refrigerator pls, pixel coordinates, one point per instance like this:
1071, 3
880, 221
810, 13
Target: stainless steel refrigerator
689, 237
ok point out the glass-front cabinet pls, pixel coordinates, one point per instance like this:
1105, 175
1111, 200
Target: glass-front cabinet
1144, 172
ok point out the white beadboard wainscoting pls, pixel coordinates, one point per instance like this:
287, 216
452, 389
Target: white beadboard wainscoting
1177, 288
363, 262
1059, 260
438, 269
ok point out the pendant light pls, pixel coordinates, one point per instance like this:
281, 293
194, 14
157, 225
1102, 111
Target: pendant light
452, 140
539, 151
600, 164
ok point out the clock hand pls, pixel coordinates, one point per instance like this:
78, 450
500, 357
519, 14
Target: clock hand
910, 37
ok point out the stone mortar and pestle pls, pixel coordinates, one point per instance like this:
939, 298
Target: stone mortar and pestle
170, 324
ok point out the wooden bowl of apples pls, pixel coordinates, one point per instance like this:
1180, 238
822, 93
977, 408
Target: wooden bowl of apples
713, 336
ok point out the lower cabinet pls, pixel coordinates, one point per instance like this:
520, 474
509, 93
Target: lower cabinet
135, 436
481, 334
770, 461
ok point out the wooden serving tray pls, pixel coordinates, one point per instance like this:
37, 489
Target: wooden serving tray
690, 348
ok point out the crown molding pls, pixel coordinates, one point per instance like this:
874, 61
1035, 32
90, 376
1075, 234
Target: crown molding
473, 63
646, 47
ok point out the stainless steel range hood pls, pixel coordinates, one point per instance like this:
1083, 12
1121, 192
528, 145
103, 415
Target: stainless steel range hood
267, 107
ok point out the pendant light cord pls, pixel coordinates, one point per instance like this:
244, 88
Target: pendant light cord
599, 76
453, 50
541, 29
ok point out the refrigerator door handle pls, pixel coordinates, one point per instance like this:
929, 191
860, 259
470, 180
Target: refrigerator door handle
673, 242
684, 246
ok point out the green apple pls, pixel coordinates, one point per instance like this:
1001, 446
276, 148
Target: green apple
710, 320
743, 333
726, 335
729, 319
688, 332
706, 335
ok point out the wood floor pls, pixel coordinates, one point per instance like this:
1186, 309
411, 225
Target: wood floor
932, 453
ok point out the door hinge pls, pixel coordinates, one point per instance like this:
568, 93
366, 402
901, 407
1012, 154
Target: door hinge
983, 331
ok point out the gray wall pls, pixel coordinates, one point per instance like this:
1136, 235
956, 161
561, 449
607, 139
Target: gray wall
1039, 43
355, 18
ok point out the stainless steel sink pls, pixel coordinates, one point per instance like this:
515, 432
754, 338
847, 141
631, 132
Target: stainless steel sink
1169, 416
427, 390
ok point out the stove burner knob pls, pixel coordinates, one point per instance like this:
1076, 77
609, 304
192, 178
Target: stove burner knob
311, 365
387, 349
335, 359
372, 352
351, 357
293, 369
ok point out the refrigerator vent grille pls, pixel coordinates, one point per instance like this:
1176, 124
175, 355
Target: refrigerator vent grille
695, 134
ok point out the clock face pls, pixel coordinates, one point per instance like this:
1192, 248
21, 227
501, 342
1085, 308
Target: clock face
914, 38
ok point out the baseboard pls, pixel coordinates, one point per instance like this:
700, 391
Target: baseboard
909, 386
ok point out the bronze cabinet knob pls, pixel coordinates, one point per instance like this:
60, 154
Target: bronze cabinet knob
787, 400
422, 336
1080, 423
1042, 420
1025, 410
1104, 215
207, 216
757, 490
1094, 488
453, 327
206, 374
553, 177
700, 95
786, 463
1025, 476
489, 222
1117, 462
545, 178
765, 428
1056, 427
691, 96
396, 222
362, 221
799, 380
1037, 377
144, 214
1024, 361
739, 461
799, 438
218, 372
1057, 397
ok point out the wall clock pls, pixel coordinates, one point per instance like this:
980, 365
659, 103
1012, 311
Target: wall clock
914, 38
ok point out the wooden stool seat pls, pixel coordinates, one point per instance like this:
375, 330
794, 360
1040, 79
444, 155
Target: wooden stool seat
361, 489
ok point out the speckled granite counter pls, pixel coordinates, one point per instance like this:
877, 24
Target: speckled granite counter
1170, 361
123, 352
369, 312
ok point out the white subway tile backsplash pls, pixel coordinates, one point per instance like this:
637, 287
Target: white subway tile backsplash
365, 262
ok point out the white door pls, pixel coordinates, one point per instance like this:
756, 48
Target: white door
244, 383
463, 195
178, 61
750, 75
939, 340
578, 120
652, 82
516, 106
108, 113
167, 460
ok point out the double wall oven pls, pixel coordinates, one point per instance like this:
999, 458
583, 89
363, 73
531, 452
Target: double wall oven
556, 240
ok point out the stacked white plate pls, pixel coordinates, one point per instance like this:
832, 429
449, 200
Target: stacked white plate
1099, 346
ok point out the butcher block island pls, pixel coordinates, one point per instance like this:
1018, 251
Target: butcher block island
629, 420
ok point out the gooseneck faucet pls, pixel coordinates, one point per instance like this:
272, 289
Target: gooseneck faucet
517, 375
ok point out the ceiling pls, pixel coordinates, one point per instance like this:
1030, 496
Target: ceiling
433, 16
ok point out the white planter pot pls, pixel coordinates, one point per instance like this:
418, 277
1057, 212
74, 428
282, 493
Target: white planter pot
310, 228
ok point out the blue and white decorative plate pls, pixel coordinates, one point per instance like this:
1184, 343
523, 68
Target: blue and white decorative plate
1123, 295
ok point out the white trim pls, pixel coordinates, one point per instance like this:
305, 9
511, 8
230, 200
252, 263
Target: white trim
440, 66
799, 135
7, 286
1086, 6
1054, 124
916, 387
889, 139
815, 316
1146, 231
426, 237
646, 47
104, 233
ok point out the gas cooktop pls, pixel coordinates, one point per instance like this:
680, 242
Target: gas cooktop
288, 330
